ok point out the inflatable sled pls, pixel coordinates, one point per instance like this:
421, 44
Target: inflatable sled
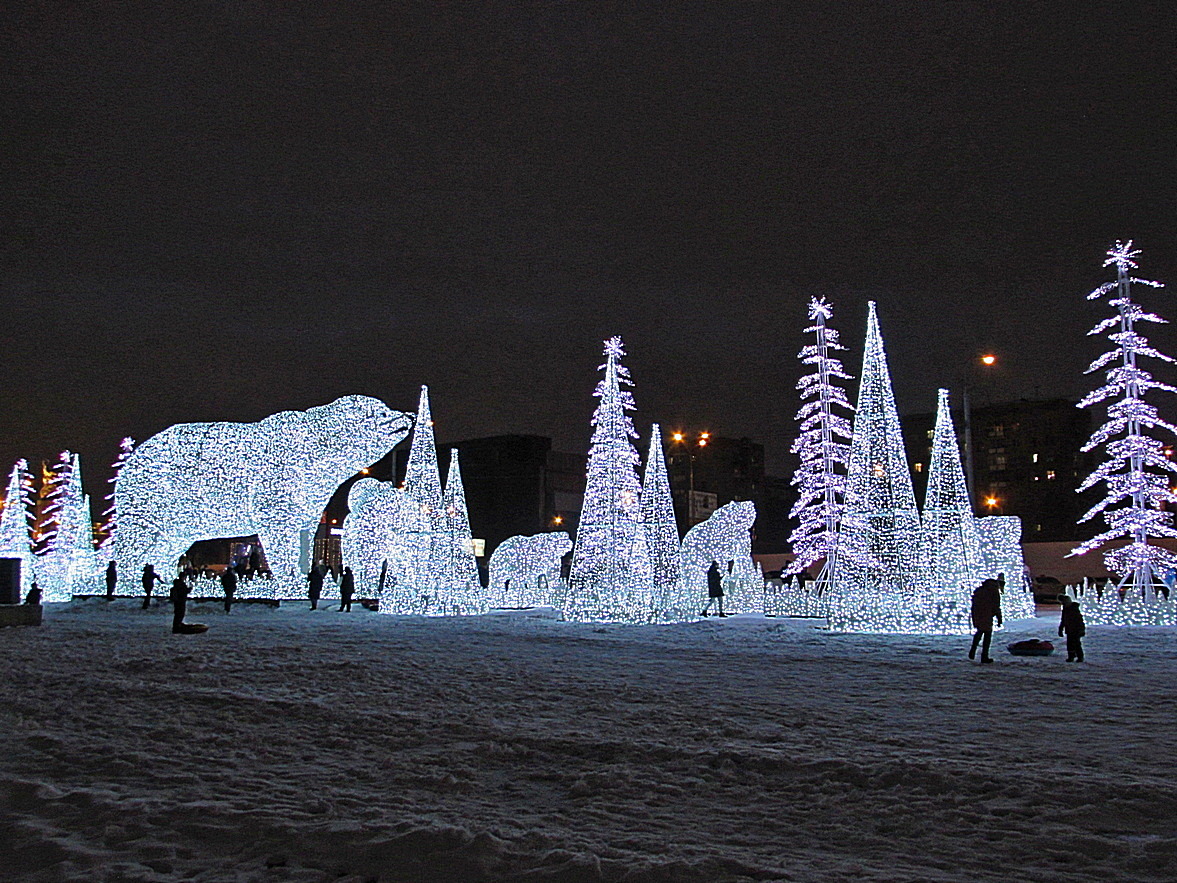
1032, 647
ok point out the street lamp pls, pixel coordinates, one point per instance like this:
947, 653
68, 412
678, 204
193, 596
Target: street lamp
988, 360
680, 438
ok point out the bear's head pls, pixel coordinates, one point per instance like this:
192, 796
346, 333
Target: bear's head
355, 431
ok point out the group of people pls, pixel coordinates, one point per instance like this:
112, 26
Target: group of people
347, 586
986, 609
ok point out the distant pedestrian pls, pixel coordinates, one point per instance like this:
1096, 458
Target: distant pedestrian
112, 579
150, 578
229, 584
986, 608
179, 599
383, 578
714, 589
33, 598
347, 588
1073, 626
315, 587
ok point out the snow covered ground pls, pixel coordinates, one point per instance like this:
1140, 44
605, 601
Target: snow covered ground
285, 745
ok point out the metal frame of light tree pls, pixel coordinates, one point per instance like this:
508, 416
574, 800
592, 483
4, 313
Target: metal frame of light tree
611, 578
1139, 563
820, 479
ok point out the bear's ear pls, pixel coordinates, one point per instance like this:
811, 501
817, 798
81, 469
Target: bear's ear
361, 493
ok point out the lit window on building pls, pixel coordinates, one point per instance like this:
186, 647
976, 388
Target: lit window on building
1049, 474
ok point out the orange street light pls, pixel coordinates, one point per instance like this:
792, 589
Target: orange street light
988, 359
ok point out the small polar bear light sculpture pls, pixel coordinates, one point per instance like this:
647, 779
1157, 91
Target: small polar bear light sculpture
725, 536
525, 571
197, 481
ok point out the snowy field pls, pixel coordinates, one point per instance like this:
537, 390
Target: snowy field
285, 745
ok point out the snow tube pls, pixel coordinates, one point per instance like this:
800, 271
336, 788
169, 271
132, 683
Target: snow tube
1032, 647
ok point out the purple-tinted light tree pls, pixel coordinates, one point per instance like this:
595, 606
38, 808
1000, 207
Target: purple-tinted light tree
1136, 473
611, 578
822, 446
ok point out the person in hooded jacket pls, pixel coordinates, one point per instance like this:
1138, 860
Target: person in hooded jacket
714, 589
347, 588
1073, 627
986, 607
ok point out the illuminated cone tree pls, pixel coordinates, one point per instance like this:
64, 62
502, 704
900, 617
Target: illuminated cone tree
1137, 472
15, 540
658, 516
821, 444
109, 519
875, 583
951, 543
611, 578
455, 566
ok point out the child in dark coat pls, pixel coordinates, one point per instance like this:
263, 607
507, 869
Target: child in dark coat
1073, 626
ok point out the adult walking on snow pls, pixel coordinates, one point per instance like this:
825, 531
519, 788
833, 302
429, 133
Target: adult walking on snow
112, 579
1073, 626
347, 588
986, 608
714, 588
315, 587
229, 584
150, 578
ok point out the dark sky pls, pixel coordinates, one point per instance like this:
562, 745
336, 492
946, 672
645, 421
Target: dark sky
221, 210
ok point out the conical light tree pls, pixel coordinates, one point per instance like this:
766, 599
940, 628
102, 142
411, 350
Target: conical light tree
658, 516
48, 503
15, 539
820, 479
951, 544
611, 578
109, 519
875, 580
70, 565
455, 564
1136, 473
423, 515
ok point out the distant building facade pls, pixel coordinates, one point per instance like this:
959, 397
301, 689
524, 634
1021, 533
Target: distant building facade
1026, 462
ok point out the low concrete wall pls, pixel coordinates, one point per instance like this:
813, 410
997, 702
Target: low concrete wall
20, 614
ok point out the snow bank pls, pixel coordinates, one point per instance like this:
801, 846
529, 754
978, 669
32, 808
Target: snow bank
298, 746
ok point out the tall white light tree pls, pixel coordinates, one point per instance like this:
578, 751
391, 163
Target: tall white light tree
423, 516
15, 539
70, 565
455, 566
875, 580
658, 516
1136, 471
951, 543
611, 578
821, 444
109, 519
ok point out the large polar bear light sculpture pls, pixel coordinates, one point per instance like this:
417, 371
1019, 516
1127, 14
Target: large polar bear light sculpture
197, 481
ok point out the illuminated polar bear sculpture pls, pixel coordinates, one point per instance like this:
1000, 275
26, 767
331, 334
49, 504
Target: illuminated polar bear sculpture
197, 481
370, 533
525, 571
725, 536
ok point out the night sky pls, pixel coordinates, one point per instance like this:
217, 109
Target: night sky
215, 211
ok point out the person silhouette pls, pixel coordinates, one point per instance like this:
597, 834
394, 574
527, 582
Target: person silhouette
985, 608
